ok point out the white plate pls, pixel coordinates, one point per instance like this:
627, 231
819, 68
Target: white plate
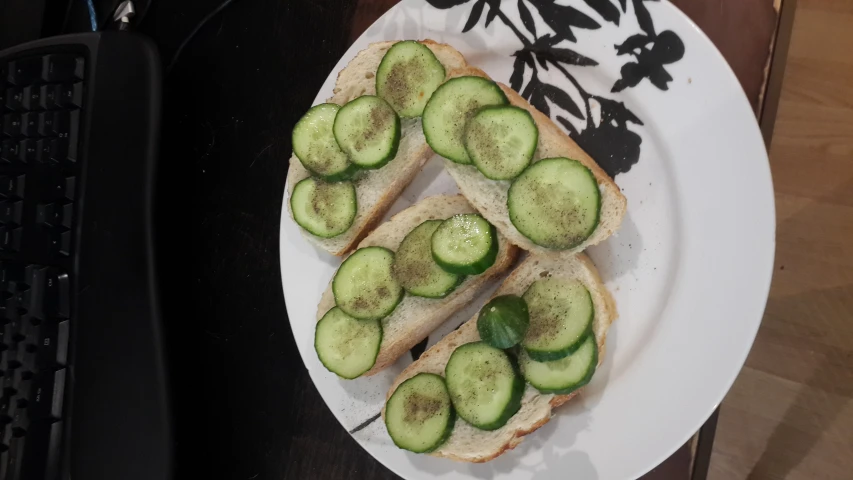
690, 267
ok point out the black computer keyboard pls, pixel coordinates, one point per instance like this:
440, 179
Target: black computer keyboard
78, 316
42, 96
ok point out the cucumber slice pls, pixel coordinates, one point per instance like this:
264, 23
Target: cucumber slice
450, 108
565, 375
465, 244
324, 209
501, 141
345, 345
368, 130
364, 286
555, 203
419, 416
315, 146
484, 384
407, 77
415, 269
503, 321
561, 313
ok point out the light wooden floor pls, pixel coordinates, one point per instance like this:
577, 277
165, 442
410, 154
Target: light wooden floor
790, 413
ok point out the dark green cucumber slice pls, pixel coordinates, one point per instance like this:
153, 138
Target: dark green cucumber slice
503, 321
465, 244
501, 141
450, 108
368, 130
415, 268
561, 313
315, 146
345, 345
562, 376
484, 384
419, 415
555, 203
364, 286
407, 77
324, 209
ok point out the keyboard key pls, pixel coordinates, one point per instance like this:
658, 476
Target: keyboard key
65, 244
12, 186
10, 151
24, 71
10, 272
32, 97
71, 96
60, 188
22, 382
10, 238
50, 341
45, 401
15, 99
9, 357
16, 457
30, 124
62, 123
47, 98
62, 68
69, 186
12, 125
46, 120
50, 293
28, 150
43, 150
11, 212
59, 150
66, 124
54, 214
42, 455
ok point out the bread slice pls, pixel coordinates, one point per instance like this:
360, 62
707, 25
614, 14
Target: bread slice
490, 196
416, 317
470, 444
376, 190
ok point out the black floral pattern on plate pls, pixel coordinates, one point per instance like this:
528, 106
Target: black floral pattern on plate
609, 141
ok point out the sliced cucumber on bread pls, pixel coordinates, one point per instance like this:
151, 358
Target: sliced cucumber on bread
465, 244
357, 287
364, 286
315, 145
376, 188
449, 109
556, 381
484, 384
501, 141
324, 209
581, 209
565, 375
419, 415
561, 315
407, 77
367, 129
415, 268
555, 203
345, 345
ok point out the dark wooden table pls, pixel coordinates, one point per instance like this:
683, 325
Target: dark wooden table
244, 405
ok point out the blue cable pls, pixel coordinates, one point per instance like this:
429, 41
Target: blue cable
93, 18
